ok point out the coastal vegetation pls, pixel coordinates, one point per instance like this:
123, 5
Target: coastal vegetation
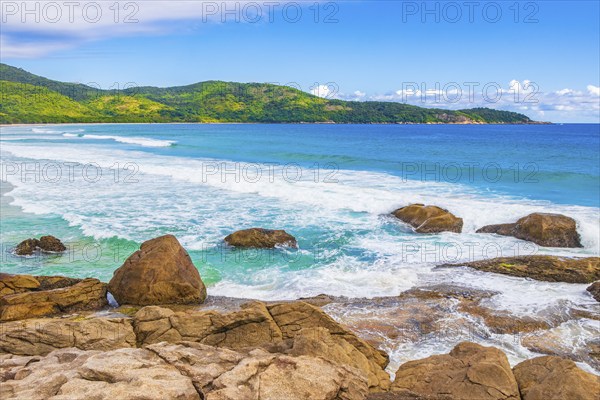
29, 98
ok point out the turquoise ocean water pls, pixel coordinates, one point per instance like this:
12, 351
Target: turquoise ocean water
103, 189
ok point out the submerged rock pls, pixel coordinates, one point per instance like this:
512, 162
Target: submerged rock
47, 244
429, 219
469, 372
548, 230
554, 378
26, 296
594, 289
161, 272
260, 238
541, 268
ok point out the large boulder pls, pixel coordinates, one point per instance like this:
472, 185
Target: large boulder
161, 272
429, 219
548, 230
26, 296
469, 372
594, 289
541, 268
260, 238
46, 244
554, 378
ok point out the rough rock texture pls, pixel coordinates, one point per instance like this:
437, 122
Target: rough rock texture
223, 374
161, 272
41, 336
25, 296
27, 247
554, 378
541, 268
249, 327
469, 372
51, 244
559, 342
183, 371
71, 374
429, 219
257, 324
594, 289
548, 230
48, 244
260, 238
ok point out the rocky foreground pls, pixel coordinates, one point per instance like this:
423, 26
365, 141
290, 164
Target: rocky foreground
59, 339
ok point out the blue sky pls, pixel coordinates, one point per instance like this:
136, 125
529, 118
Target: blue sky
547, 51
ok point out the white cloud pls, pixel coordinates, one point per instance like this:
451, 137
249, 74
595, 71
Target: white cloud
593, 90
323, 91
73, 23
520, 96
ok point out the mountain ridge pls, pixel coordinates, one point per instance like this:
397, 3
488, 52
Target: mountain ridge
29, 98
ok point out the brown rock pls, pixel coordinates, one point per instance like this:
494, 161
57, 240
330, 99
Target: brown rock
161, 272
292, 328
11, 284
124, 374
541, 268
223, 374
51, 244
41, 336
594, 289
429, 219
47, 244
548, 230
27, 247
249, 327
24, 296
554, 378
573, 347
469, 372
295, 316
319, 342
261, 238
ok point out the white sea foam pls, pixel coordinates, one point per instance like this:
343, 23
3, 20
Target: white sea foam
55, 130
368, 253
141, 141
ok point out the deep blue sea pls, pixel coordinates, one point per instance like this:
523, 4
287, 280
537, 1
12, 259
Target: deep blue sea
104, 189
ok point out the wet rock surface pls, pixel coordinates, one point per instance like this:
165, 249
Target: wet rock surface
594, 290
260, 238
542, 268
46, 244
429, 219
549, 230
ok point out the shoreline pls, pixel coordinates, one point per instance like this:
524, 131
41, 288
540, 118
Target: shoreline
279, 123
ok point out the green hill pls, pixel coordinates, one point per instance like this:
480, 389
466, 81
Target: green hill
28, 98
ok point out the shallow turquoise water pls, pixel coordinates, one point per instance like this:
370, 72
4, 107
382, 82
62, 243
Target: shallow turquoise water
106, 188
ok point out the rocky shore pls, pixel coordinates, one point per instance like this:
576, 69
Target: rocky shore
60, 339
